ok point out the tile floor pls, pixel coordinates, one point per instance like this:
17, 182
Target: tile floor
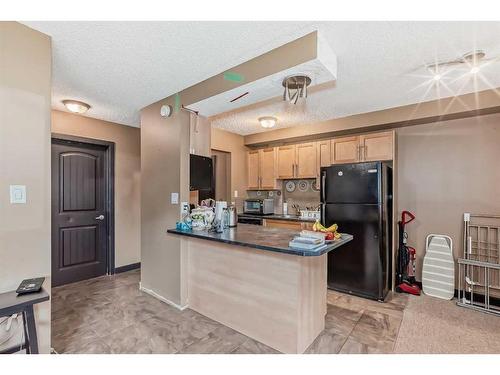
110, 314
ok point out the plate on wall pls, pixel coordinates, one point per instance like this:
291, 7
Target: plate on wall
290, 186
303, 185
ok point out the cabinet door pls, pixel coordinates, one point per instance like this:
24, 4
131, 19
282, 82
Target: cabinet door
286, 162
306, 160
253, 169
345, 150
324, 153
376, 146
267, 168
295, 225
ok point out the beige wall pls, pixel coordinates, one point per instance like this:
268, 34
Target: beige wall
25, 85
444, 170
127, 176
199, 135
165, 147
222, 172
234, 144
164, 170
468, 105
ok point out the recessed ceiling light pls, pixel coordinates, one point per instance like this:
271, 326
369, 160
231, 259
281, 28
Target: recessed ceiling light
268, 121
474, 69
76, 106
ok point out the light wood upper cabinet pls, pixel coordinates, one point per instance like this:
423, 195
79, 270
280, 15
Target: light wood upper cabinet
267, 168
345, 150
376, 146
253, 169
286, 161
324, 153
261, 169
306, 165
365, 147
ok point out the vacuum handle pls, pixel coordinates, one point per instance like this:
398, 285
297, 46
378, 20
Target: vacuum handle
404, 214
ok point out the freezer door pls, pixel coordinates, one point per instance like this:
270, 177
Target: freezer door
351, 183
356, 267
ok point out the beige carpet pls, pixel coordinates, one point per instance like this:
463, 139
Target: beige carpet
432, 325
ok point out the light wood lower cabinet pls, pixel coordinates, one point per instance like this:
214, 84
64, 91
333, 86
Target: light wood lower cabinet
287, 224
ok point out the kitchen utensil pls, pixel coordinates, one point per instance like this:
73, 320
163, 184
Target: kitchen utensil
233, 216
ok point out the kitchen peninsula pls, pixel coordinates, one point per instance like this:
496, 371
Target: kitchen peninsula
249, 279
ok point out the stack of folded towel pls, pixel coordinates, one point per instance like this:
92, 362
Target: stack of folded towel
308, 240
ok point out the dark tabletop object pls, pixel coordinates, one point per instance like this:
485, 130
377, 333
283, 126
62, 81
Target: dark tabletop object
11, 303
263, 238
280, 217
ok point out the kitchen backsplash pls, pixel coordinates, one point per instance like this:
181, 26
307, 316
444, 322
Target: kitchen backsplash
304, 193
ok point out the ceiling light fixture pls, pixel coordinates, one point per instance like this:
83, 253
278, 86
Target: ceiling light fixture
475, 69
268, 121
436, 77
473, 59
295, 88
76, 106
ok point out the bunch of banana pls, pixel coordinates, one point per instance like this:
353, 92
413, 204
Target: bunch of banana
318, 227
331, 231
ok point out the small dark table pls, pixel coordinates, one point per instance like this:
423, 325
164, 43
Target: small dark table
11, 303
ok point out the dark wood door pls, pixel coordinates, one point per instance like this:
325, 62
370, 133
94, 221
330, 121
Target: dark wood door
79, 217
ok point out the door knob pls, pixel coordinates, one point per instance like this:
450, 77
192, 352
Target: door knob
100, 217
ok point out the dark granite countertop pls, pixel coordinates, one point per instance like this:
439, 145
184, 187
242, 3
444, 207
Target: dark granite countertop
280, 217
263, 238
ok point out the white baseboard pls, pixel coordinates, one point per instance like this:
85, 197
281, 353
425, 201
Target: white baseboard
161, 298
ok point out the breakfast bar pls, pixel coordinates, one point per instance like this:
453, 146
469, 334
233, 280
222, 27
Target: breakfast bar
249, 279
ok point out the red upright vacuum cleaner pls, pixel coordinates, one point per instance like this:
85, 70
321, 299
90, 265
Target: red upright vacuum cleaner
405, 273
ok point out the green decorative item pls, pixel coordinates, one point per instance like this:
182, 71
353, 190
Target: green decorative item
177, 102
233, 76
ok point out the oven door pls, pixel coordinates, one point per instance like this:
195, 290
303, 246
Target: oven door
252, 207
250, 220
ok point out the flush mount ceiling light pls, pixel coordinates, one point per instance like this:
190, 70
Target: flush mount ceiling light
295, 88
268, 121
472, 59
76, 106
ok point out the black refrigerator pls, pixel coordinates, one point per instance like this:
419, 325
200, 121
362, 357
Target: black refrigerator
358, 197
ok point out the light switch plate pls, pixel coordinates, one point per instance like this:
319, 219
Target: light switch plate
18, 194
174, 198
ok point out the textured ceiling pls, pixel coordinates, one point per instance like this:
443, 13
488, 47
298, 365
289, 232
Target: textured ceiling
263, 89
120, 67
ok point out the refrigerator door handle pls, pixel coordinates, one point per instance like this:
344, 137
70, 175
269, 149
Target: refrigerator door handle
323, 185
322, 218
